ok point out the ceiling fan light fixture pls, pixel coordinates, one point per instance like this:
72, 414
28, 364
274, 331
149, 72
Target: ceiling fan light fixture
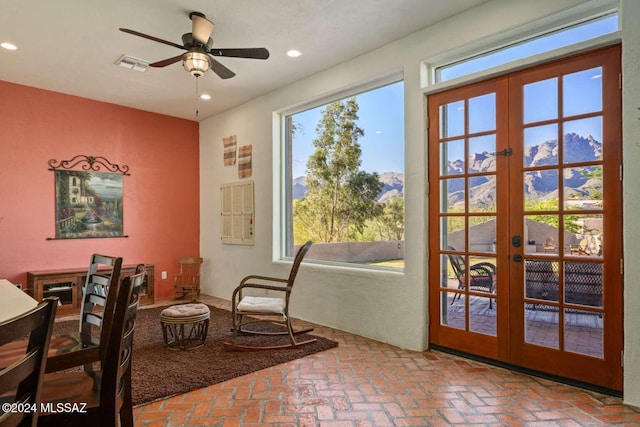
197, 63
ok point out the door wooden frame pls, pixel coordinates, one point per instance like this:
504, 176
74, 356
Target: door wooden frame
605, 372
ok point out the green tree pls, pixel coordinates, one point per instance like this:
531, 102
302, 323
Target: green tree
340, 197
571, 223
391, 221
594, 173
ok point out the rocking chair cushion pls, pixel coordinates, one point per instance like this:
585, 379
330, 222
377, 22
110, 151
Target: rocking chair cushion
262, 304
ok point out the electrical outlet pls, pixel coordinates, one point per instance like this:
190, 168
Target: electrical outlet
164, 275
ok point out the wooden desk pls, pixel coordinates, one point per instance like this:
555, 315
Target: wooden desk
13, 301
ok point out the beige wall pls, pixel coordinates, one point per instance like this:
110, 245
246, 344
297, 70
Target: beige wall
631, 199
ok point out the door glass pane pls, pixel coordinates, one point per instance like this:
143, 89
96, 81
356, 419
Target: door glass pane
540, 101
453, 233
541, 146
483, 275
482, 113
455, 312
583, 140
482, 193
482, 233
541, 234
448, 278
583, 283
452, 157
582, 92
482, 315
584, 333
583, 188
541, 280
584, 235
541, 190
452, 191
452, 119
481, 153
541, 325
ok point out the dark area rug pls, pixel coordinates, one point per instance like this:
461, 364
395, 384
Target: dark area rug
159, 372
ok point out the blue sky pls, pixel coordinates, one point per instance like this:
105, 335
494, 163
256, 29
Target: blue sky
381, 116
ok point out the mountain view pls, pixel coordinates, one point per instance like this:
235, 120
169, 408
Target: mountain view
539, 185
393, 186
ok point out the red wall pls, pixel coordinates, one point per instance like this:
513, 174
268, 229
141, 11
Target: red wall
161, 196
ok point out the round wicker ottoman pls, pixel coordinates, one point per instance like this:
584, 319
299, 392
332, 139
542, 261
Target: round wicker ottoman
185, 326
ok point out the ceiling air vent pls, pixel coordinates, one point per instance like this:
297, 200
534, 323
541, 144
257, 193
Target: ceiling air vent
132, 63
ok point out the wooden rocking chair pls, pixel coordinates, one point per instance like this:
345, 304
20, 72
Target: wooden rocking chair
268, 309
187, 282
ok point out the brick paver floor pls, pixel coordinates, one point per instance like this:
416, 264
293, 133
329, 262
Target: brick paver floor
365, 383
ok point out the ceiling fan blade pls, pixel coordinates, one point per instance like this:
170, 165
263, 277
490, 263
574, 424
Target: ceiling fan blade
251, 52
222, 71
167, 61
201, 27
155, 39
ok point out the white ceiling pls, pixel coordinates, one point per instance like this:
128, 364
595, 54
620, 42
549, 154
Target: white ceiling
71, 46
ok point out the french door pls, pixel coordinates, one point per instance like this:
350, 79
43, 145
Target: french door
525, 218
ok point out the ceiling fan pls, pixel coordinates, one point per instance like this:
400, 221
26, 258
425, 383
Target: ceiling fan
200, 52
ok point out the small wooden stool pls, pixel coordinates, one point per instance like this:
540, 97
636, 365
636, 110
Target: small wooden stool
174, 319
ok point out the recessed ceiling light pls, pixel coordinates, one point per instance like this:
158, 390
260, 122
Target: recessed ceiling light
205, 96
293, 53
9, 46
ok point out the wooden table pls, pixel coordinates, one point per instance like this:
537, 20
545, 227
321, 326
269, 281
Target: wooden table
13, 301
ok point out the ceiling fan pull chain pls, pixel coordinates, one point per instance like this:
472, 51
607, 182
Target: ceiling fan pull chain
197, 96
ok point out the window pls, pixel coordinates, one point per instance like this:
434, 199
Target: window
345, 178
546, 42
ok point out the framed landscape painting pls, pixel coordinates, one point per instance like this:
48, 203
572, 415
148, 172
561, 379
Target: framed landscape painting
88, 204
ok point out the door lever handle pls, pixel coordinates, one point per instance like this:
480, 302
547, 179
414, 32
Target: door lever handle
516, 241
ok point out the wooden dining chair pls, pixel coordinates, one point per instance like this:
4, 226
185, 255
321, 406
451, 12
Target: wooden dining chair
21, 381
187, 281
106, 392
247, 309
82, 348
96, 317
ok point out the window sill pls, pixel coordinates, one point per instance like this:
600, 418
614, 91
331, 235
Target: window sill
346, 268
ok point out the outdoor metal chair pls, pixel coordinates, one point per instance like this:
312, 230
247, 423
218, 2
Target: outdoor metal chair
482, 275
